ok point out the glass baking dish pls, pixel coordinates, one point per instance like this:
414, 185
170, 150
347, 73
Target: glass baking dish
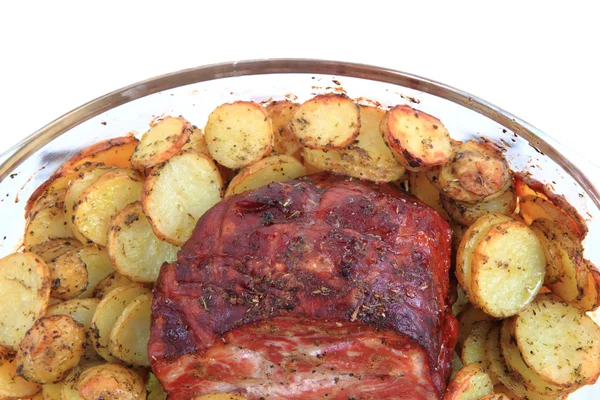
195, 92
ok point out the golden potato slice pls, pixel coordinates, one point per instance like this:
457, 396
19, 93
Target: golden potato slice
110, 381
284, 140
507, 270
559, 342
367, 157
108, 312
517, 366
134, 249
466, 214
473, 347
109, 283
178, 192
69, 276
196, 142
277, 168
51, 249
50, 349
98, 265
100, 201
470, 383
417, 140
116, 152
51, 391
477, 172
327, 121
83, 180
590, 299
468, 243
162, 141
425, 191
532, 208
13, 386
238, 134
25, 286
129, 336
467, 319
47, 220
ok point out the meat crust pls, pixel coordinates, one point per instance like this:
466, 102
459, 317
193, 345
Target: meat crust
322, 248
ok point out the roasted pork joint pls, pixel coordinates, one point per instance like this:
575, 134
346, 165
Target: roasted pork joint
344, 278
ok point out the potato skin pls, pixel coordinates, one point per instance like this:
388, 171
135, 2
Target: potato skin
50, 349
111, 382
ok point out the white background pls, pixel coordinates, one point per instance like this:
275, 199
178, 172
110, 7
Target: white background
538, 60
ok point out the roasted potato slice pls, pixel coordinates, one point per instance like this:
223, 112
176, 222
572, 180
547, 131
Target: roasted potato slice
327, 121
69, 276
469, 242
178, 192
47, 220
425, 191
418, 141
134, 249
25, 283
13, 386
98, 265
466, 214
284, 140
116, 152
470, 383
238, 134
507, 270
196, 142
590, 299
473, 347
110, 381
559, 342
367, 157
51, 391
100, 201
496, 396
277, 168
108, 312
162, 141
467, 319
128, 340
51, 249
477, 172
50, 349
109, 283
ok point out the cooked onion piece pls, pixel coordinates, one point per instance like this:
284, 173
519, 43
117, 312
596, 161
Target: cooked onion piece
417, 140
238, 134
178, 192
327, 121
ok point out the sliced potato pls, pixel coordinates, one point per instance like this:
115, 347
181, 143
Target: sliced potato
284, 140
496, 396
417, 140
425, 191
196, 142
277, 168
83, 180
477, 172
110, 381
469, 242
25, 283
129, 336
109, 283
590, 299
473, 347
108, 312
507, 270
13, 386
134, 249
162, 141
559, 342
238, 134
367, 157
327, 121
470, 383
517, 366
69, 275
178, 192
51, 249
69, 389
536, 207
98, 265
466, 214
47, 220
467, 319
50, 349
100, 201
51, 391
116, 152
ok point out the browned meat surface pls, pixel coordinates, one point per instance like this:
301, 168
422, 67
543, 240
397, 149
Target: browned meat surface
366, 258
